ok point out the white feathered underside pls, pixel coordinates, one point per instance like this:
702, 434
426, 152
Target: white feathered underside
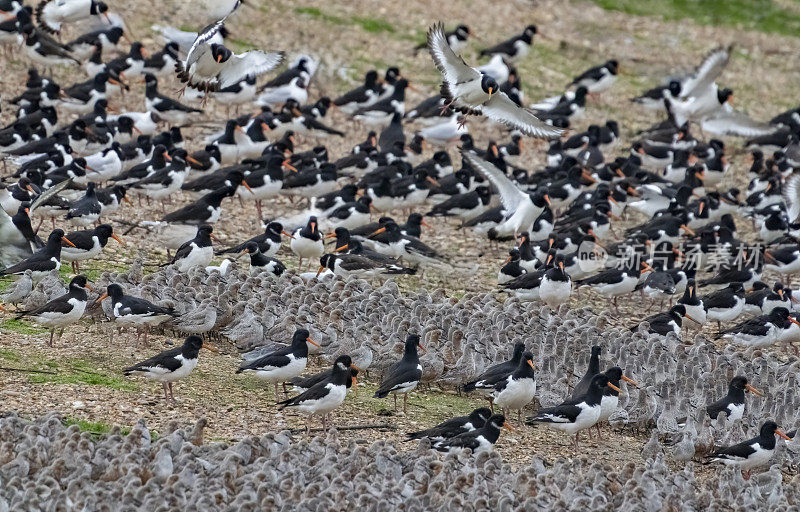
791, 194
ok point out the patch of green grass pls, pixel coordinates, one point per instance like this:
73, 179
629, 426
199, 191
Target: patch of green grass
100, 429
374, 25
80, 371
316, 13
9, 355
761, 15
20, 327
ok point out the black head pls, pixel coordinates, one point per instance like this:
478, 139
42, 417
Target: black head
519, 348
596, 350
193, 343
724, 95
413, 343
98, 8
497, 421
462, 31
327, 261
275, 228
674, 88
599, 381
205, 230
104, 231
612, 66
769, 429
301, 337
78, 282
251, 247
392, 74
343, 362
220, 54
371, 78
479, 415
489, 85
114, 291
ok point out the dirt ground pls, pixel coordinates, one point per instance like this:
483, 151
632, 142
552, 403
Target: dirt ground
350, 38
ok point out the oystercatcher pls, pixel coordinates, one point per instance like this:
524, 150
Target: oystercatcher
479, 440
210, 66
133, 311
260, 262
307, 242
197, 252
454, 426
593, 369
88, 244
61, 311
760, 330
610, 400
473, 92
325, 396
43, 261
752, 453
356, 265
733, 403
518, 389
404, 375
724, 305
513, 48
268, 242
283, 364
576, 414
171, 111
87, 209
171, 365
599, 78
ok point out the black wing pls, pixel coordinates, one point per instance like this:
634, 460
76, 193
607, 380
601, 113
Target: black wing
165, 360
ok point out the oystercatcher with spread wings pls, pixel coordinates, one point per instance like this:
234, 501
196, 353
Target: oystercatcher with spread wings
472, 92
210, 66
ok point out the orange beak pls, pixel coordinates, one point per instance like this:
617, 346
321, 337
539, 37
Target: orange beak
312, 342
219, 59
753, 390
127, 200
422, 348
791, 319
378, 232
426, 224
530, 363
782, 435
687, 229
330, 235
507, 426
615, 388
245, 185
118, 239
319, 271
211, 348
214, 237
287, 234
3, 309
65, 239
547, 200
341, 248
630, 381
289, 166
194, 161
102, 297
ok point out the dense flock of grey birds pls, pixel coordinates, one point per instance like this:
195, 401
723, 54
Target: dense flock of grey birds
47, 466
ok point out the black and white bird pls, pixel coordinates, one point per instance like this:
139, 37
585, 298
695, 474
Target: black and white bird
599, 78
356, 265
197, 252
173, 112
454, 426
733, 403
362, 96
284, 364
306, 241
752, 453
576, 414
52, 14
470, 91
269, 242
760, 330
62, 311
43, 261
261, 263
322, 398
518, 389
210, 66
87, 209
478, 440
128, 310
487, 380
404, 375
610, 400
88, 244
513, 48
171, 365
456, 38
